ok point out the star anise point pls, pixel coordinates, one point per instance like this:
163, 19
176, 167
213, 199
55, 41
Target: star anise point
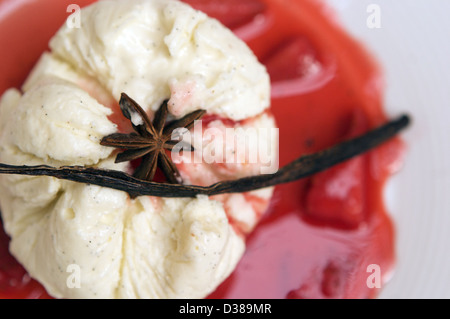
151, 139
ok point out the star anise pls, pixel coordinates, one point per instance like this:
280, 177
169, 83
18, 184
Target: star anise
151, 140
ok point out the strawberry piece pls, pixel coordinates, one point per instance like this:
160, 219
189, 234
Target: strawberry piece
329, 282
295, 59
334, 280
337, 196
232, 13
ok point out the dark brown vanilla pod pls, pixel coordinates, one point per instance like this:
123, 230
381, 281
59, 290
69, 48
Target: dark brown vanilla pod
305, 166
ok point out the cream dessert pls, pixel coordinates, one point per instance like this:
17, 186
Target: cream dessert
123, 247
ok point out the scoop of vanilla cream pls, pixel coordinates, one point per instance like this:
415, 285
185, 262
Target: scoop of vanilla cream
84, 241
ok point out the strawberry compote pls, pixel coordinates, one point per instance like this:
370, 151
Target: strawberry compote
328, 236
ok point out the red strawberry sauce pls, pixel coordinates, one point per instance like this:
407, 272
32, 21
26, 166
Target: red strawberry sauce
321, 236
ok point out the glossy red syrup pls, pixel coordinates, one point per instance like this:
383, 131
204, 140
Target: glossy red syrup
320, 235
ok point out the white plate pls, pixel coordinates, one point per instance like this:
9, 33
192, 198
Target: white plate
413, 46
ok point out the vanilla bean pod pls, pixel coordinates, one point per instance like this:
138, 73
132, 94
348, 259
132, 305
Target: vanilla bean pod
305, 166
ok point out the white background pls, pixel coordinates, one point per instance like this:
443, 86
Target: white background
413, 45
